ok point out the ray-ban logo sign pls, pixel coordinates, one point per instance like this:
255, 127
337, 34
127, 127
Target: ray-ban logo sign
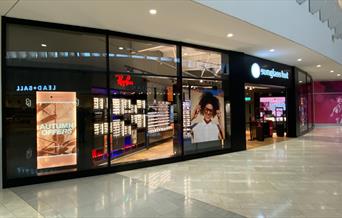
257, 71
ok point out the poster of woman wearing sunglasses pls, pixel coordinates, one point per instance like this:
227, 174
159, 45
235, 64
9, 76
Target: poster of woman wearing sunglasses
207, 115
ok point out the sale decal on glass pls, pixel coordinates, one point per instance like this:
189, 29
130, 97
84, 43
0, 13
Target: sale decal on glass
56, 129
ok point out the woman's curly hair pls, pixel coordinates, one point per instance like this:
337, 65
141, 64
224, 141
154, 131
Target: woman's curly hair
209, 98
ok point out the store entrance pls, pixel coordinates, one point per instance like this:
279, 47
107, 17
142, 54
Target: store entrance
265, 114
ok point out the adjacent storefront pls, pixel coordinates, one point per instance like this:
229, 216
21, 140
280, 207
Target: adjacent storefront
79, 101
304, 102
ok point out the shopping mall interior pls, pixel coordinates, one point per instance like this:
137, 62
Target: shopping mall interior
150, 108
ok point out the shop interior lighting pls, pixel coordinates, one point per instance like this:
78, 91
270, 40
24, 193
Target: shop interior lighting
299, 59
271, 50
201, 81
230, 35
153, 11
331, 71
318, 65
43, 45
338, 74
120, 48
300, 81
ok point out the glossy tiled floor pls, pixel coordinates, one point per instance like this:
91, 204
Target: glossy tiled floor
163, 150
267, 141
296, 178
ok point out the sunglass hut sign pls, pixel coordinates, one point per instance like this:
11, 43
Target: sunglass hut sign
257, 71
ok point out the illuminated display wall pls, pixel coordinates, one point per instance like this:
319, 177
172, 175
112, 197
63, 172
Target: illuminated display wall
273, 104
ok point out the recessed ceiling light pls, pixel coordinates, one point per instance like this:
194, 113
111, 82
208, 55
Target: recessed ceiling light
331, 71
120, 48
153, 11
43, 45
230, 35
338, 74
299, 59
300, 81
271, 50
201, 80
318, 65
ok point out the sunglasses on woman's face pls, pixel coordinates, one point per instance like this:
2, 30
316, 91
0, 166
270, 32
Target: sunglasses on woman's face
208, 110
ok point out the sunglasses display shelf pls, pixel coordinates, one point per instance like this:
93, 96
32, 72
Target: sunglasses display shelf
159, 123
186, 119
100, 129
128, 125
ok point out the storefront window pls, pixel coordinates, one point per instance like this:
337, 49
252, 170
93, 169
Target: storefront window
197, 63
143, 101
310, 102
302, 102
71, 104
48, 112
29, 46
206, 112
142, 57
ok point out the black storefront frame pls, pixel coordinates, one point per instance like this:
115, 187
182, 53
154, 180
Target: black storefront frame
233, 63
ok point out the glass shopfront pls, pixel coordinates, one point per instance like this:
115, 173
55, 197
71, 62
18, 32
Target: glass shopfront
78, 101
48, 101
144, 100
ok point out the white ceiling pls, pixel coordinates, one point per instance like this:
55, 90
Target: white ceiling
184, 21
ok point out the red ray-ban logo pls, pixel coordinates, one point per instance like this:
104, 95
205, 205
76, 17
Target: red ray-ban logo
124, 80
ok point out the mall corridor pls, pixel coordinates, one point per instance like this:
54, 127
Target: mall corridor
301, 177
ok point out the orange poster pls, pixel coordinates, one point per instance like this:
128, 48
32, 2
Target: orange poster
169, 91
56, 129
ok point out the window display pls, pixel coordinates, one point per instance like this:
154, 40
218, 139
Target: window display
159, 117
99, 150
159, 123
143, 100
51, 116
128, 124
203, 101
204, 116
56, 129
